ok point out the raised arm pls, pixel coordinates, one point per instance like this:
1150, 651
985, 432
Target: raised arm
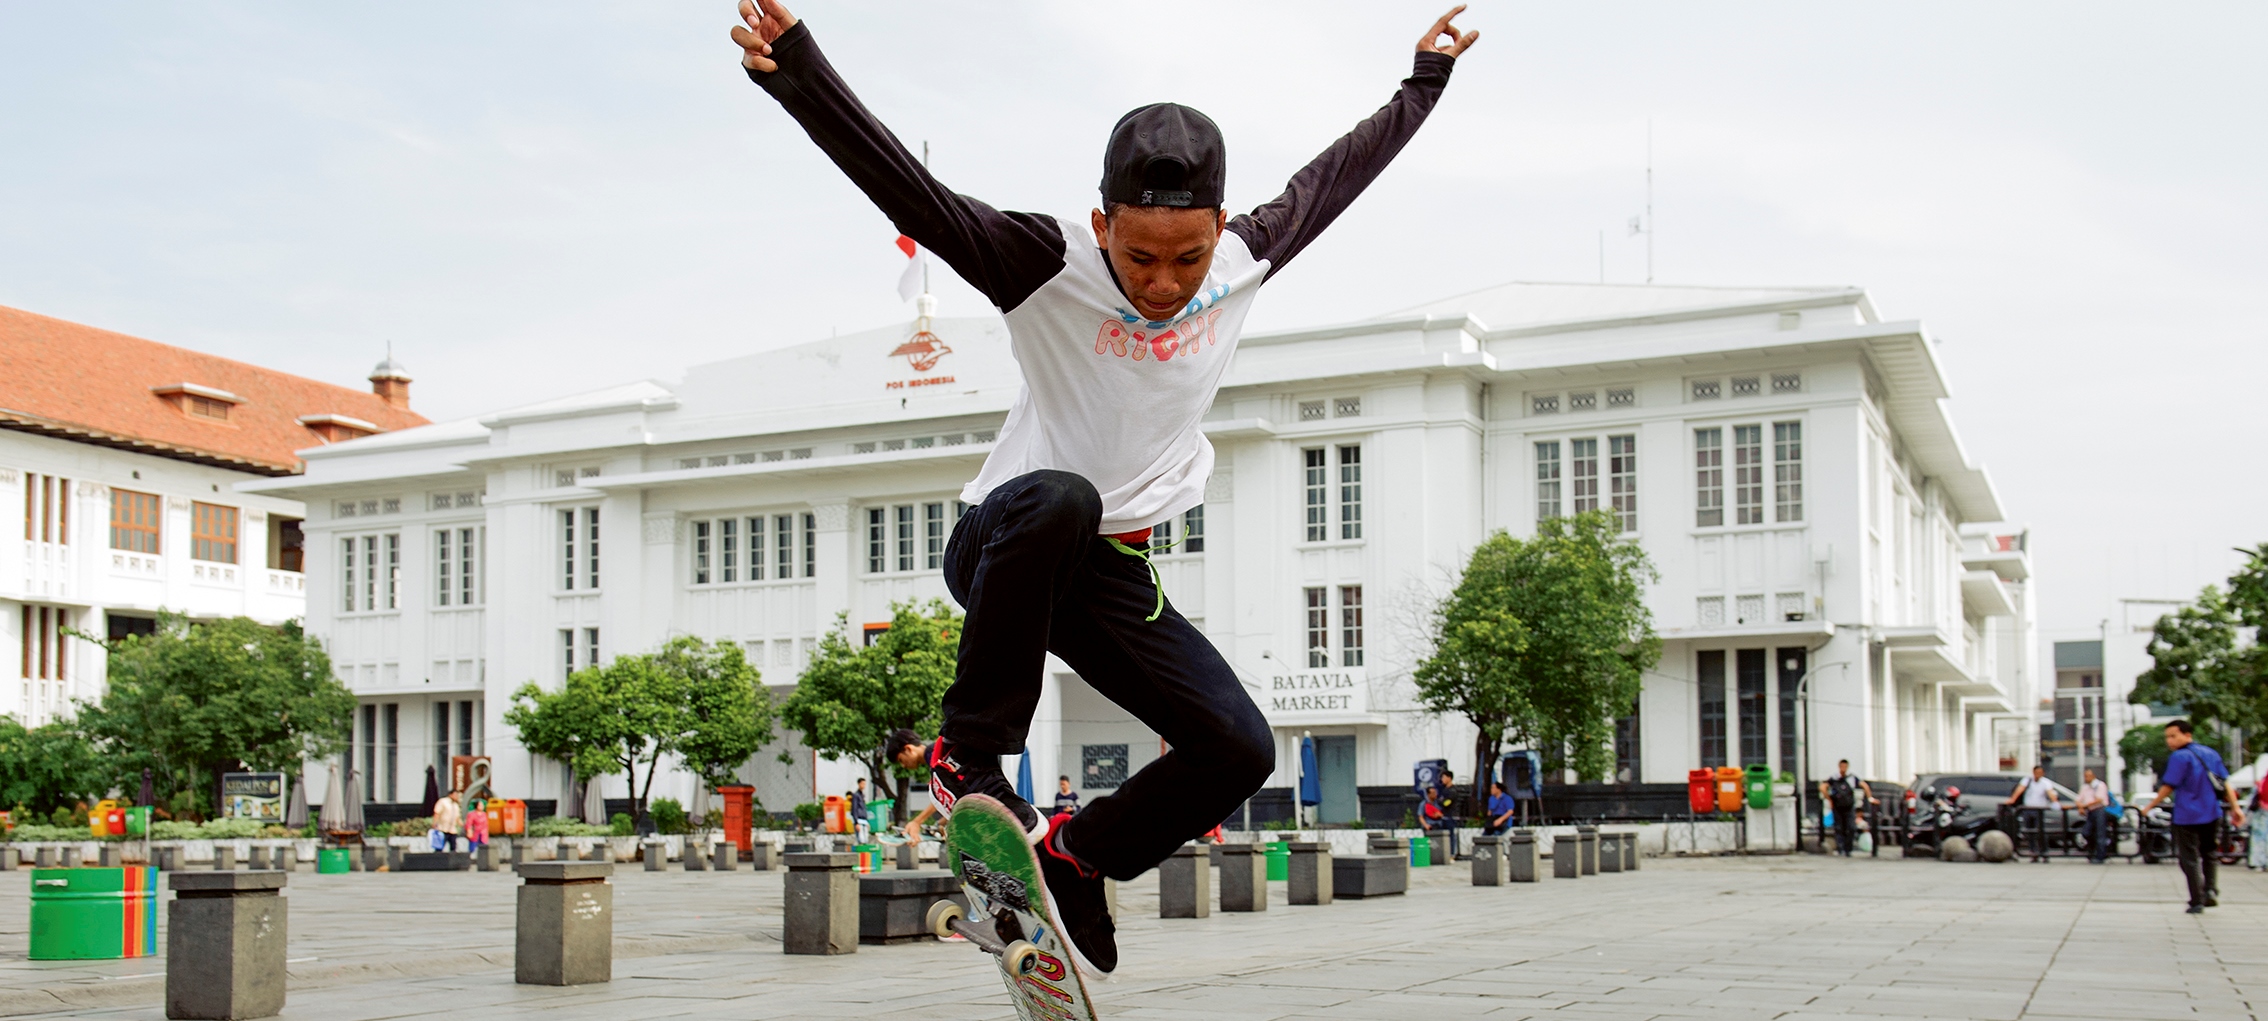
1323, 189
1007, 256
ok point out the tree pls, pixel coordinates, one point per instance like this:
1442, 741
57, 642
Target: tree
2145, 744
700, 703
852, 696
1544, 640
48, 767
2199, 660
191, 701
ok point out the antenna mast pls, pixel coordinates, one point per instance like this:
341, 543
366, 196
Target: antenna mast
1649, 200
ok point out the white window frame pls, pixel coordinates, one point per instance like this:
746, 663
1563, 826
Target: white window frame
1547, 477
371, 570
1317, 599
1787, 469
579, 549
457, 580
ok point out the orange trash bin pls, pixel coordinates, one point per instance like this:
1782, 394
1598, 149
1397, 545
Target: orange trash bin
510, 816
1732, 788
835, 810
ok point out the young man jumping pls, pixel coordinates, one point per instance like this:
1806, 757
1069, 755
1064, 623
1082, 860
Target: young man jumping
1122, 345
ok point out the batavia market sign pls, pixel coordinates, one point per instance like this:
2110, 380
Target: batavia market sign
1333, 692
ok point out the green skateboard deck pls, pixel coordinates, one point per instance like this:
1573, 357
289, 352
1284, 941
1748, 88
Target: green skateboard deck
1008, 914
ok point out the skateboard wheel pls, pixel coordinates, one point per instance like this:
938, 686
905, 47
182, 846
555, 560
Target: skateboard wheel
1020, 958
942, 915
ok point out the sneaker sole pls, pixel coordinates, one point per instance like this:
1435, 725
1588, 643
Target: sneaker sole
1087, 968
1033, 835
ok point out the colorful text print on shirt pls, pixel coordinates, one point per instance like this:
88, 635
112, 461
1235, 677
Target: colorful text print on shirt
923, 350
1185, 338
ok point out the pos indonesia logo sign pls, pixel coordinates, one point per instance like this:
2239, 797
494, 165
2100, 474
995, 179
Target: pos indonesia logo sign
922, 350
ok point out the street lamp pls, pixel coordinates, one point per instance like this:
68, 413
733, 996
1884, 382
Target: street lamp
1803, 760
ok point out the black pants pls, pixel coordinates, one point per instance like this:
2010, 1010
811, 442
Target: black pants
2194, 845
2032, 823
1846, 829
2099, 834
1035, 577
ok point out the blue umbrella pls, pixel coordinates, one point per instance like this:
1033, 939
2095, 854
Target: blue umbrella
1310, 785
1024, 774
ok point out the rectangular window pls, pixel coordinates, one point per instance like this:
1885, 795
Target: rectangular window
370, 752
1748, 474
1708, 477
567, 547
441, 716
1791, 678
444, 570
1787, 470
393, 579
47, 508
566, 652
1102, 767
1712, 692
783, 545
701, 553
1317, 486
134, 519
1622, 480
933, 536
590, 646
877, 540
393, 766
1193, 530
465, 728
1350, 492
1350, 625
1628, 766
759, 539
1161, 539
1748, 668
1583, 475
904, 513
347, 568
1547, 479
590, 548
728, 552
369, 572
212, 533
811, 545
46, 645
468, 566
1318, 627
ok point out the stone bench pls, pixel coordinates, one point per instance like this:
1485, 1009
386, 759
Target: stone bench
434, 861
893, 906
1370, 875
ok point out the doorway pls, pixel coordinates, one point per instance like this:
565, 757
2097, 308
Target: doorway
1335, 773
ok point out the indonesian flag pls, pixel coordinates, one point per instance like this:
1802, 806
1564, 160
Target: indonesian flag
909, 282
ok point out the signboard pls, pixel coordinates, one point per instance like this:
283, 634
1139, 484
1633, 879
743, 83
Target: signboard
469, 773
253, 796
1323, 692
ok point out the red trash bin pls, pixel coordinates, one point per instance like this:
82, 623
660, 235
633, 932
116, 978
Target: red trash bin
739, 805
1731, 788
1701, 790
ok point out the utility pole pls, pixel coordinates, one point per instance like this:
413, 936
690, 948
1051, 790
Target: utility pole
1644, 222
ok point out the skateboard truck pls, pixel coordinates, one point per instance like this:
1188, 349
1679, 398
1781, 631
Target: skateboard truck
1016, 954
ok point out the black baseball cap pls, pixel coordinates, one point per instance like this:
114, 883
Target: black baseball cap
1165, 154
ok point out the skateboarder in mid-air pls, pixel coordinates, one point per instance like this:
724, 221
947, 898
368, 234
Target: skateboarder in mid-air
1122, 325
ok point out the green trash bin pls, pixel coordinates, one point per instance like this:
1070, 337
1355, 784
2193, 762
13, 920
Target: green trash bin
333, 860
1759, 785
878, 814
138, 821
1421, 852
93, 914
1279, 860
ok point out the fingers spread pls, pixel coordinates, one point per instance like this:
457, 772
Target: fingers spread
747, 40
748, 14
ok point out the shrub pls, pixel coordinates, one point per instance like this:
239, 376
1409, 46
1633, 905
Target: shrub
808, 813
561, 826
669, 816
417, 827
621, 825
35, 831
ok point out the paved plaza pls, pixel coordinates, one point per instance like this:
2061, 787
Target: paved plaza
1789, 938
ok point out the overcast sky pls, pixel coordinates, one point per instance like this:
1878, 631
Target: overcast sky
528, 200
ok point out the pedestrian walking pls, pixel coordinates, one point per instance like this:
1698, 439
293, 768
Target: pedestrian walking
2094, 805
1066, 799
1500, 809
2197, 781
448, 822
2038, 794
1844, 793
476, 826
858, 801
2256, 849
1440, 816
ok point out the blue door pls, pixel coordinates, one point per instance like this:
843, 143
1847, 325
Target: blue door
1335, 768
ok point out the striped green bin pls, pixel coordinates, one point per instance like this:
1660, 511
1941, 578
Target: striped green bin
93, 914
1421, 852
331, 860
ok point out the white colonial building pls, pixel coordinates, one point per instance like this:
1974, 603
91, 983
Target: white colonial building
1784, 455
121, 457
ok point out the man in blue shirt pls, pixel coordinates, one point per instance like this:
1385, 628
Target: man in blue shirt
1500, 809
2191, 772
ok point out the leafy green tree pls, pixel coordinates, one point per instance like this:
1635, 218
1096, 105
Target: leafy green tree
193, 700
697, 702
1544, 640
48, 767
2145, 745
2199, 660
852, 695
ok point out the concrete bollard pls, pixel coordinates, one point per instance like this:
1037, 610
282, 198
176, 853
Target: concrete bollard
821, 904
67, 857
1244, 876
1185, 883
7, 859
655, 854
1309, 873
393, 858
726, 858
107, 856
1519, 851
1588, 838
43, 858
285, 859
1566, 856
763, 857
1442, 849
1489, 861
695, 861
224, 946
564, 932
1610, 852
1630, 852
224, 858
485, 858
909, 856
600, 852
372, 858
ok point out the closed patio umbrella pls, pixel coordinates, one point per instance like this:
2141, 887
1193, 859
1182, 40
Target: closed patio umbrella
353, 803
1310, 785
594, 802
148, 795
432, 793
333, 817
295, 810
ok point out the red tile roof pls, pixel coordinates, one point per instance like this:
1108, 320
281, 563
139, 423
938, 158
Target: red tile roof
94, 386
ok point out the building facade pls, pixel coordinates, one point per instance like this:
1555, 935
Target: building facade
121, 458
1837, 580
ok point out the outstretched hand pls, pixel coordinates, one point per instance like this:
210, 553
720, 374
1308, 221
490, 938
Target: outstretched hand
1432, 43
767, 20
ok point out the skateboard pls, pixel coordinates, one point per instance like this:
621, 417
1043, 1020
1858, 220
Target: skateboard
1007, 915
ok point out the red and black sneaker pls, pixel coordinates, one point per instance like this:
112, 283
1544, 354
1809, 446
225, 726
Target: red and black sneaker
1075, 899
954, 774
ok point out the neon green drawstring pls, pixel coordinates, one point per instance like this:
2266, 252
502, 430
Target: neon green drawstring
1155, 581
